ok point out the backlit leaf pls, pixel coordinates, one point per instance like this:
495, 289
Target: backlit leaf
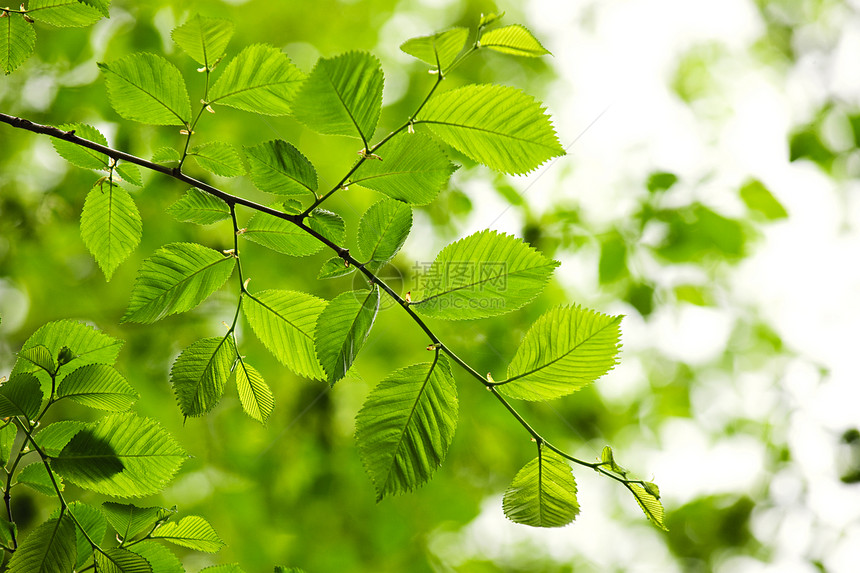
17, 41
199, 207
8, 432
256, 397
50, 548
92, 521
88, 345
98, 386
278, 167
166, 155
219, 158
343, 328
543, 493
204, 39
100, 5
383, 230
147, 88
515, 40
191, 531
36, 477
129, 173
121, 560
40, 356
160, 557
110, 226
21, 395
63, 13
280, 235
81, 156
329, 225
649, 501
54, 437
199, 374
129, 520
439, 50
334, 268
758, 198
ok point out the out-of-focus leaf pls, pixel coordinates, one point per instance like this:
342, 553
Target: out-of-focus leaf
758, 198
613, 258
660, 181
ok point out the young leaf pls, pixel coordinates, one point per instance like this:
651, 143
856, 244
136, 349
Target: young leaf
62, 13
342, 96
81, 156
166, 155
649, 501
199, 374
439, 50
160, 557
566, 349
88, 345
8, 432
54, 437
543, 493
485, 274
281, 236
342, 329
177, 278
121, 560
40, 356
129, 173
515, 40
110, 226
21, 395
329, 225
261, 79
92, 521
413, 169
147, 88
50, 548
204, 39
219, 158
193, 532
98, 386
121, 455
334, 268
256, 397
199, 207
284, 322
383, 230
36, 476
278, 167
17, 41
406, 425
129, 520
499, 126
487, 19
100, 5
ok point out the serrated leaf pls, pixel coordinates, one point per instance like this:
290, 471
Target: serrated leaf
485, 274
8, 532
36, 477
129, 173
82, 156
406, 425
121, 560
200, 373
88, 345
54, 437
92, 521
219, 158
40, 356
487, 19
166, 155
280, 235
63, 13
177, 278
129, 520
439, 50
147, 88
334, 268
515, 40
50, 548
608, 459
383, 230
342, 96
204, 39
413, 169
21, 395
121, 455
261, 79
98, 386
17, 41
543, 493
564, 350
228, 568
498, 126
100, 5
284, 322
193, 532
650, 504
199, 207
256, 397
160, 557
8, 433
342, 329
278, 167
329, 225
110, 226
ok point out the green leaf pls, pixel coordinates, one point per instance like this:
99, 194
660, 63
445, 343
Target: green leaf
758, 198
50, 548
487, 19
342, 96
110, 226
40, 356
54, 437
229, 568
88, 345
100, 5
199, 207
177, 278
62, 13
98, 386
329, 225
406, 425
219, 158
498, 126
8, 432
413, 169
383, 230
129, 173
280, 235
543, 493
439, 50
608, 459
8, 532
129, 520
199, 374
284, 322
485, 274
564, 350
166, 155
256, 397
17, 41
515, 40
147, 88
204, 39
278, 167
193, 532
613, 258
660, 181
160, 557
334, 268
261, 79
93, 522
649, 501
343, 328
121, 455
82, 156
21, 395
121, 560
36, 476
